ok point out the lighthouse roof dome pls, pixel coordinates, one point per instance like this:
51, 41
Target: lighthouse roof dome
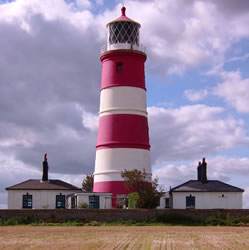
123, 18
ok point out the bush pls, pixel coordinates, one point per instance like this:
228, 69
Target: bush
83, 205
133, 199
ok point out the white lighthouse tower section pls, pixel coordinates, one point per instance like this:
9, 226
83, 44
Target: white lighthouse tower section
111, 162
123, 100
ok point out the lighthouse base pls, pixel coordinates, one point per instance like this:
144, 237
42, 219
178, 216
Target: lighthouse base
117, 188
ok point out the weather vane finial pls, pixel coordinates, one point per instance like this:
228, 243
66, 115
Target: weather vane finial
123, 9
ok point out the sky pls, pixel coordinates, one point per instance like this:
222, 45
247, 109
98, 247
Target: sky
197, 77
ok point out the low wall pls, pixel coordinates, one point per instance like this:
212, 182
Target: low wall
112, 215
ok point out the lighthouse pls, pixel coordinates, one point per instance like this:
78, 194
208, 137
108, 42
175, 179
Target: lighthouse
123, 134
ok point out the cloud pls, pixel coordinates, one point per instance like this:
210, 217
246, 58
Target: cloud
230, 166
195, 95
83, 3
232, 87
193, 131
234, 90
180, 35
49, 81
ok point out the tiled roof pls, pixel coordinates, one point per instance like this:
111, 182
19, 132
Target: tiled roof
43, 185
209, 186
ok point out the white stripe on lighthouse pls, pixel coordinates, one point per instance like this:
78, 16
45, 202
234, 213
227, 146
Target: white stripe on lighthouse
123, 100
111, 161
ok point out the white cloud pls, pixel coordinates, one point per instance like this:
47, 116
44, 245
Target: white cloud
230, 166
192, 33
185, 34
234, 90
90, 120
49, 75
193, 131
83, 3
195, 95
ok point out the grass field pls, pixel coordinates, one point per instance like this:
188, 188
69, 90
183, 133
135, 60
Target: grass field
123, 237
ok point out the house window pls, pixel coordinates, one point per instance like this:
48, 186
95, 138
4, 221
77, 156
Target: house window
60, 201
27, 201
93, 201
167, 203
119, 67
190, 201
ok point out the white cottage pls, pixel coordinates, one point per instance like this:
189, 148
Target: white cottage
40, 194
203, 194
53, 194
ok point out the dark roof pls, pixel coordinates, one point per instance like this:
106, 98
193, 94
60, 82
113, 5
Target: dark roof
43, 185
209, 186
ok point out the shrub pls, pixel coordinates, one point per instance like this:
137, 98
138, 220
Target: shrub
83, 205
133, 199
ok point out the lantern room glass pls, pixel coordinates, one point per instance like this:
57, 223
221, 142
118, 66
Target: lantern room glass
124, 32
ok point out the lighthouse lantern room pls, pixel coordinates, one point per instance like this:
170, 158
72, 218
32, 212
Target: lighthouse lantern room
123, 134
123, 33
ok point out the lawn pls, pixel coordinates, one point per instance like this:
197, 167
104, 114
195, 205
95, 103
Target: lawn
123, 237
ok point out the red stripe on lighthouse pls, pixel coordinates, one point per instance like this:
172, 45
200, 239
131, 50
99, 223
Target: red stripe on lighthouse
114, 187
123, 68
110, 186
123, 131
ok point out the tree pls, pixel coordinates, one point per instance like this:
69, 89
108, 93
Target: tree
87, 184
136, 181
151, 194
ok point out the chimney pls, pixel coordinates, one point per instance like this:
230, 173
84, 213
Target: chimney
203, 171
199, 171
45, 168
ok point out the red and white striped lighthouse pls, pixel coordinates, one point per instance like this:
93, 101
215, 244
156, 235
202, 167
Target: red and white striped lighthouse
123, 136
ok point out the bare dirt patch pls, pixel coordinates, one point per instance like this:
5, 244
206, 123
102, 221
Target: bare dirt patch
123, 237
